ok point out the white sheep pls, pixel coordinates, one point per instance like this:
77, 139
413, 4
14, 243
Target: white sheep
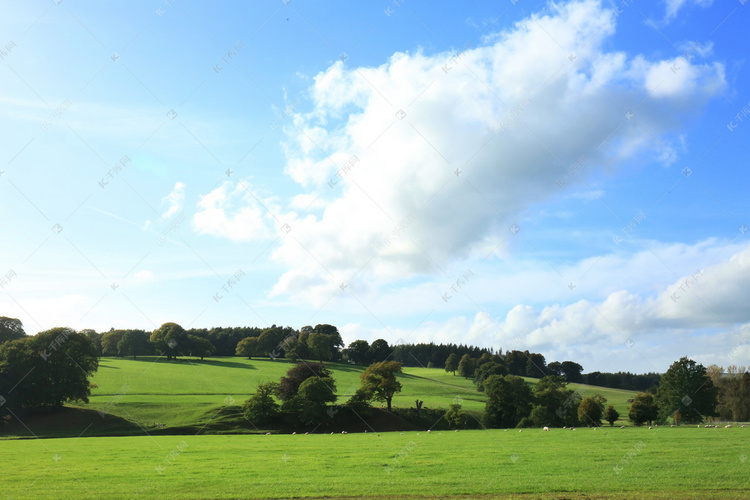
728, 426
546, 429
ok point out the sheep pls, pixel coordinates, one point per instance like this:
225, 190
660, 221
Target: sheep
306, 433
520, 430
332, 434
429, 431
671, 425
622, 427
546, 429
268, 433
649, 427
728, 426
293, 433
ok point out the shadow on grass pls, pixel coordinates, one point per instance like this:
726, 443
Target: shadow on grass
222, 362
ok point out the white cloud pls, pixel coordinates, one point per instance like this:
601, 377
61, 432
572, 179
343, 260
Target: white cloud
674, 6
174, 200
234, 211
429, 157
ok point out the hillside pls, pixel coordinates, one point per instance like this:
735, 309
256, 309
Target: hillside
159, 396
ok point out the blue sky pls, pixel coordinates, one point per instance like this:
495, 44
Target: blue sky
568, 178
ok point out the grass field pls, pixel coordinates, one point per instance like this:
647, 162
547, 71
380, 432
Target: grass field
155, 393
606, 463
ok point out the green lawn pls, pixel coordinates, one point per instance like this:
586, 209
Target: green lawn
604, 463
156, 393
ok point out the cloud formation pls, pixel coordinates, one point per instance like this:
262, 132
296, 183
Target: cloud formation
431, 158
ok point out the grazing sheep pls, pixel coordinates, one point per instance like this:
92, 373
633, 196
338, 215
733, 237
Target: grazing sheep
306, 433
520, 430
649, 427
744, 426
546, 429
332, 434
729, 426
622, 427
429, 431
365, 431
293, 433
565, 426
268, 433
671, 425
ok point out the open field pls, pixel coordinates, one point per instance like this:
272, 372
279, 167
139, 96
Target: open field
155, 395
606, 463
152, 388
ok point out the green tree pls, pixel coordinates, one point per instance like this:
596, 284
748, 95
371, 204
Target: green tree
456, 416
379, 381
466, 366
380, 351
200, 347
268, 343
290, 383
486, 370
319, 346
591, 409
509, 399
572, 371
611, 415
248, 347
10, 329
686, 388
95, 338
110, 341
536, 366
170, 339
312, 400
261, 408
451, 363
358, 352
516, 362
132, 343
556, 405
643, 409
48, 369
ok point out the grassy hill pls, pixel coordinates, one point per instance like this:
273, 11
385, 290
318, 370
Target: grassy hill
158, 396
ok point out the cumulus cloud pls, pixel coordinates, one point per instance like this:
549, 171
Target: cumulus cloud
234, 211
429, 158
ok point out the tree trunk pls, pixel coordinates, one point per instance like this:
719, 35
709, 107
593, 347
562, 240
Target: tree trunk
419, 408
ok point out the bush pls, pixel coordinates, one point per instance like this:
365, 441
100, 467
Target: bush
456, 417
261, 408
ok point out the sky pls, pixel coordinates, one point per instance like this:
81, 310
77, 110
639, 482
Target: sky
564, 177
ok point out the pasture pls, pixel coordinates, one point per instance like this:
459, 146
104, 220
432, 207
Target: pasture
635, 463
156, 393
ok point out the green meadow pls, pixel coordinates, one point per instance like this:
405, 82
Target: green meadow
608, 463
164, 429
156, 393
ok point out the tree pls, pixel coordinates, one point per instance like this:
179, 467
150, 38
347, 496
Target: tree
686, 388
591, 409
611, 415
320, 346
200, 347
132, 343
451, 363
10, 329
466, 366
379, 381
456, 417
95, 339
261, 408
359, 352
643, 409
170, 340
536, 366
554, 368
47, 370
556, 405
312, 400
248, 347
516, 362
486, 370
268, 343
509, 399
290, 383
110, 341
572, 371
380, 351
